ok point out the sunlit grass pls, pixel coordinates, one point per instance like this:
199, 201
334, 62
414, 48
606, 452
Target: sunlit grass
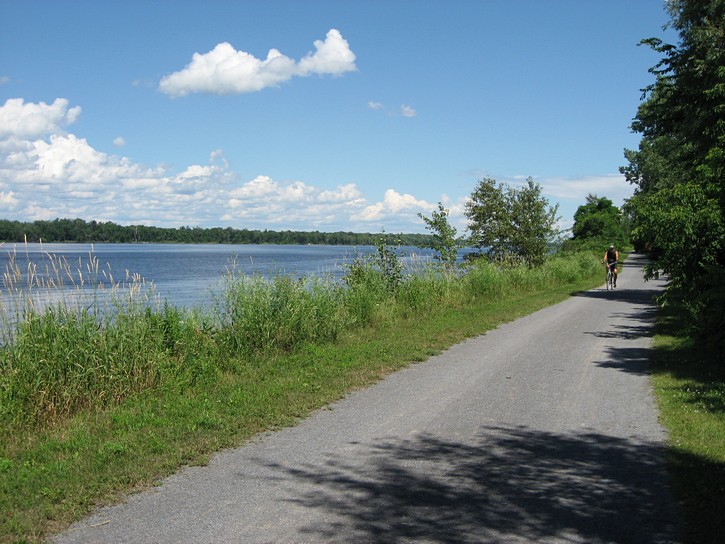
100, 399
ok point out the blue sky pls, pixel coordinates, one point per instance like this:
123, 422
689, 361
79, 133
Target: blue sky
313, 115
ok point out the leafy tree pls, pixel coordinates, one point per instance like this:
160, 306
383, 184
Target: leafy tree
679, 168
443, 238
599, 220
511, 222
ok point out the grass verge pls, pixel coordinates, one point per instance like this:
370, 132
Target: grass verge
689, 382
53, 474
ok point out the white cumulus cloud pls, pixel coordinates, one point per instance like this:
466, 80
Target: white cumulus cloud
332, 56
292, 203
46, 172
30, 120
224, 70
393, 203
7, 200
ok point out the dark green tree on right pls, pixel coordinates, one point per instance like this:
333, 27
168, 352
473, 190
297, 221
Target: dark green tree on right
679, 169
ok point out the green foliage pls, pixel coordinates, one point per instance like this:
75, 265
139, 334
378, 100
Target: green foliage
696, 219
367, 291
427, 290
443, 239
384, 268
78, 230
63, 361
485, 279
651, 167
373, 282
689, 385
389, 263
678, 208
511, 222
258, 315
600, 219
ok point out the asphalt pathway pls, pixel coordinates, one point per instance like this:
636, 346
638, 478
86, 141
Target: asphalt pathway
544, 430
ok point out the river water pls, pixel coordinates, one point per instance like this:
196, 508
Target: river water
186, 275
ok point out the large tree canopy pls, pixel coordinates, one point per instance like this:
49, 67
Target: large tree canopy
599, 220
679, 168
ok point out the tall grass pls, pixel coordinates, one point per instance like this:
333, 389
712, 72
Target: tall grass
88, 342
99, 399
73, 338
257, 315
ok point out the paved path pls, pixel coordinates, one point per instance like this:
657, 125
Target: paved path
543, 430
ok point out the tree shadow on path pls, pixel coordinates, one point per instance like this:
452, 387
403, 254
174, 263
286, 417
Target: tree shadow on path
633, 320
504, 485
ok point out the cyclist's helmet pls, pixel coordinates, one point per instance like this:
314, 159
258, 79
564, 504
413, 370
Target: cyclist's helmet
611, 247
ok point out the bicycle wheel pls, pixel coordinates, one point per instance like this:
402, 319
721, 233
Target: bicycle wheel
610, 280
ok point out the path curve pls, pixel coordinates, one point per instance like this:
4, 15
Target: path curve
543, 430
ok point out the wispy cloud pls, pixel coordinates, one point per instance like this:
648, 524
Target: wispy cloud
407, 111
404, 110
119, 141
224, 70
572, 188
612, 186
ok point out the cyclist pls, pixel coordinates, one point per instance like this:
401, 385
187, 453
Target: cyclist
611, 257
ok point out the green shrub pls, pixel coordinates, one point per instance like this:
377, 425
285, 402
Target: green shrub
484, 279
62, 361
278, 314
561, 270
189, 342
367, 295
429, 289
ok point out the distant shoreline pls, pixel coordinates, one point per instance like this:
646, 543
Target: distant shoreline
81, 231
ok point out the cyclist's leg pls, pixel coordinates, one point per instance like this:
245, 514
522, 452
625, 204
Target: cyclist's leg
615, 271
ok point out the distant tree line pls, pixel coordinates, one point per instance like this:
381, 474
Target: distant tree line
78, 230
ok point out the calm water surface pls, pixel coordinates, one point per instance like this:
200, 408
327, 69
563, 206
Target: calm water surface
188, 275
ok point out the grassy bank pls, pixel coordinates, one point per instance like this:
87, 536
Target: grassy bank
95, 404
689, 383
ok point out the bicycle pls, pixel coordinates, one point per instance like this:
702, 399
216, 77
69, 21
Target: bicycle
609, 282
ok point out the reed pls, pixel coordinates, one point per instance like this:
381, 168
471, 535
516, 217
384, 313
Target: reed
260, 315
75, 339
